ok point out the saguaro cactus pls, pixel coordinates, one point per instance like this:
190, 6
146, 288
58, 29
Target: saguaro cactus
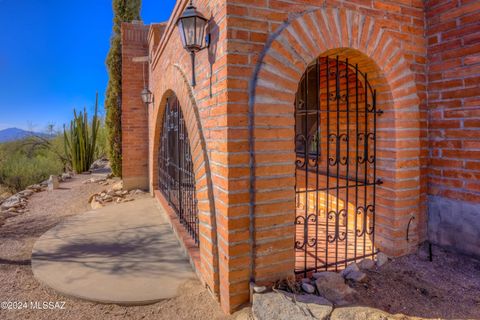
80, 140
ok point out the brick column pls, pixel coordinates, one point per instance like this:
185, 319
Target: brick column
134, 111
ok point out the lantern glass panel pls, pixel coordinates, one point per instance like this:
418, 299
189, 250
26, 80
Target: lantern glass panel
182, 32
200, 26
189, 31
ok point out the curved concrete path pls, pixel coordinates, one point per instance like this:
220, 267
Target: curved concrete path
123, 254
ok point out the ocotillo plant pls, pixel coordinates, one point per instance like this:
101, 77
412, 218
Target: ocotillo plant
80, 140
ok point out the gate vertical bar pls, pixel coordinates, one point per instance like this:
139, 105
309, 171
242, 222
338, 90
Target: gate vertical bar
357, 147
365, 159
317, 159
374, 213
179, 166
347, 159
306, 152
337, 160
327, 163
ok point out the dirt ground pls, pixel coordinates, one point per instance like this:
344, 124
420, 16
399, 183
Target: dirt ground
17, 283
446, 288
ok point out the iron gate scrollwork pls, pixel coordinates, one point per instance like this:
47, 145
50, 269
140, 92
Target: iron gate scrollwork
335, 142
176, 179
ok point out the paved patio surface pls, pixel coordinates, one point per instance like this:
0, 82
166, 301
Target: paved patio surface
123, 254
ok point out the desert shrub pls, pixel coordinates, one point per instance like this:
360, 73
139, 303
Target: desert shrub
23, 163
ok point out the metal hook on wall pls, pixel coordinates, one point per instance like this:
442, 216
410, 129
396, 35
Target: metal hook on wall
408, 226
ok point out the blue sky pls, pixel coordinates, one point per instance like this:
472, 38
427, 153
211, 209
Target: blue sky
52, 57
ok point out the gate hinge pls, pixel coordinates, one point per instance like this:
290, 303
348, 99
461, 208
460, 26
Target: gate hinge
379, 111
379, 181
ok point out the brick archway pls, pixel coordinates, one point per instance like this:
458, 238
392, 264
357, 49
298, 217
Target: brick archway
175, 83
361, 38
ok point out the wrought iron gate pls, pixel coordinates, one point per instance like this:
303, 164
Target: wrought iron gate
175, 175
335, 141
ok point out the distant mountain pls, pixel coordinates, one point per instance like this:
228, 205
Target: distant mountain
12, 134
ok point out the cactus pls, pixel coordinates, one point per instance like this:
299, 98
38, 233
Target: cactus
80, 140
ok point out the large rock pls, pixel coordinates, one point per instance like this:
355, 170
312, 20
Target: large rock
35, 187
67, 176
13, 202
350, 268
357, 276
100, 164
26, 193
95, 180
259, 289
319, 307
381, 259
308, 288
278, 306
366, 264
96, 204
331, 285
363, 313
118, 186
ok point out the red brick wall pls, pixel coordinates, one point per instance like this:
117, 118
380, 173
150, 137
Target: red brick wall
453, 33
134, 111
387, 40
250, 75
203, 108
216, 112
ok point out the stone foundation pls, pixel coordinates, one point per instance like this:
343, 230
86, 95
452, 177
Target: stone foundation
454, 224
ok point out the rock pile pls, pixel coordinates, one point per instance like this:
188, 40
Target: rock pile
99, 180
114, 194
284, 306
102, 163
332, 286
315, 297
17, 203
65, 176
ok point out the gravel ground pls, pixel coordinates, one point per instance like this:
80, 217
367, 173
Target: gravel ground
446, 288
17, 283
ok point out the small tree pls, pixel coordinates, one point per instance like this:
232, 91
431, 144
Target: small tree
80, 140
124, 11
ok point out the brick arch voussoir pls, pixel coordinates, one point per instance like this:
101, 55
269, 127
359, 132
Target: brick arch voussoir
312, 34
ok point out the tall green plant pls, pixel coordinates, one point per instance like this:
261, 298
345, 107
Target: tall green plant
123, 11
80, 140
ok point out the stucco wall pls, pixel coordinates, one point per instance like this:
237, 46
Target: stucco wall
454, 224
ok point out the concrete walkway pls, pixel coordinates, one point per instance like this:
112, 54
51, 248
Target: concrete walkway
123, 254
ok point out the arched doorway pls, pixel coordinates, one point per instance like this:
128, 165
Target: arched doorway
176, 179
335, 144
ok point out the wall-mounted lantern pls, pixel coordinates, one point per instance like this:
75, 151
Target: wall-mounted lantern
192, 26
147, 96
